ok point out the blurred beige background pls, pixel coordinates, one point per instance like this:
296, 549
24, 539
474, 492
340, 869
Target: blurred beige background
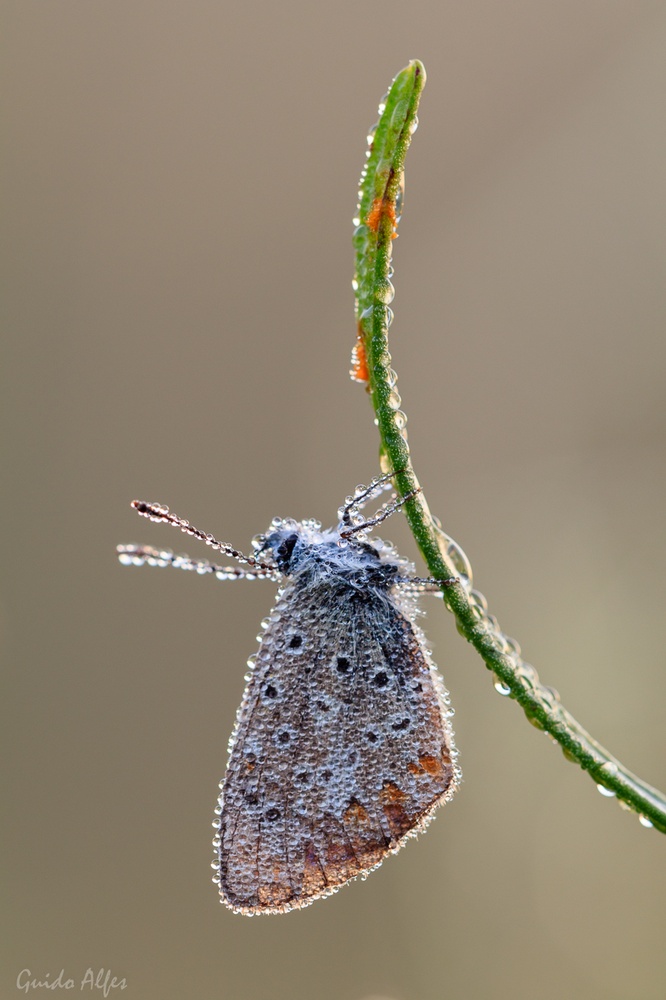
181, 183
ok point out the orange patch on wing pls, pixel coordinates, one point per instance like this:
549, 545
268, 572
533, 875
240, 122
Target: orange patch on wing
338, 852
340, 861
355, 813
431, 765
393, 802
392, 795
274, 893
367, 840
314, 880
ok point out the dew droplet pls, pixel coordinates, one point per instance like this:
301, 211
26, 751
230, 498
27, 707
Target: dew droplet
400, 199
360, 233
644, 821
451, 550
501, 687
513, 647
606, 792
477, 599
492, 623
385, 291
528, 673
460, 628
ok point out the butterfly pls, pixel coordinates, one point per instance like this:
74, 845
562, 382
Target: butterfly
342, 747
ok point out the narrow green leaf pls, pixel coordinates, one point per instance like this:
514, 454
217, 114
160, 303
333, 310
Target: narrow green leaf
380, 198
377, 217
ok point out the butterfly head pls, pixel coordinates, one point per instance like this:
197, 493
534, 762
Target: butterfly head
287, 541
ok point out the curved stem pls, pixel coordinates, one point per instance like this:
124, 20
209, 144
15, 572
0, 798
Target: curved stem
378, 215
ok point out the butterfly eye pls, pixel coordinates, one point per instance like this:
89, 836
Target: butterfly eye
284, 551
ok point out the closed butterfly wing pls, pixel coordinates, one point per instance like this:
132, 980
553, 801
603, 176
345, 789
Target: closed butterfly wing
341, 751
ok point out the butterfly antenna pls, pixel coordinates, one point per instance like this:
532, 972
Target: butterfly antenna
160, 512
146, 555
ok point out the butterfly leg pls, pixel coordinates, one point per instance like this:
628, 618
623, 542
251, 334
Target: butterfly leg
362, 496
425, 584
381, 515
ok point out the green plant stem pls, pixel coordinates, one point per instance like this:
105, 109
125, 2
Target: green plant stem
379, 206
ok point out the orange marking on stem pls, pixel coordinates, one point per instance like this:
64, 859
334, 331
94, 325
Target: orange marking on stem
375, 214
359, 361
382, 207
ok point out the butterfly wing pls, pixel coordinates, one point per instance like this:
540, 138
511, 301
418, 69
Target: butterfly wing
342, 748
